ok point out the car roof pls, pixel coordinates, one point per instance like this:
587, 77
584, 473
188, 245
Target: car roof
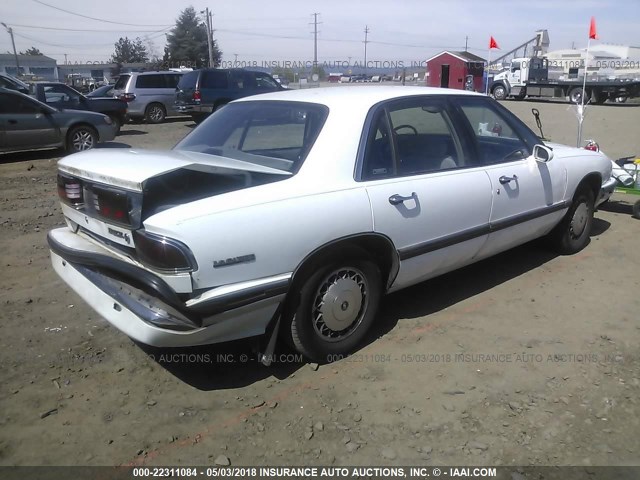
153, 73
366, 95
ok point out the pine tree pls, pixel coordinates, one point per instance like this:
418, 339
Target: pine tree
187, 42
130, 51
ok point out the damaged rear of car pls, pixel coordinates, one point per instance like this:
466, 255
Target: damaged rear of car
143, 227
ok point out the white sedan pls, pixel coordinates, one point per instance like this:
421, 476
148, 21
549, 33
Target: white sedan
294, 212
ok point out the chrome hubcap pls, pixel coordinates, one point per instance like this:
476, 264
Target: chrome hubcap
340, 303
82, 140
579, 220
156, 114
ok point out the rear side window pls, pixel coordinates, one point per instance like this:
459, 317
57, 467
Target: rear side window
214, 79
172, 80
151, 81
121, 84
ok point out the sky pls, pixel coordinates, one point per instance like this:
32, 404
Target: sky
277, 31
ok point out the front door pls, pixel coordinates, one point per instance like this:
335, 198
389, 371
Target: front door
526, 194
25, 123
444, 76
427, 193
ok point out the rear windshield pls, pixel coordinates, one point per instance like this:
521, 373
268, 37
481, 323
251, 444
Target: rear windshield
122, 82
269, 133
188, 80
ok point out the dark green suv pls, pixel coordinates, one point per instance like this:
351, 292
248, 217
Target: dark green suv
201, 92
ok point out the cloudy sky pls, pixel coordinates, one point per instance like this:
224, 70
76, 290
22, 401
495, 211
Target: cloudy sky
280, 30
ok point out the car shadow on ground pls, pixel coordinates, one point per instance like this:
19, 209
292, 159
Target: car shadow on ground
619, 206
113, 145
224, 365
235, 364
130, 132
32, 155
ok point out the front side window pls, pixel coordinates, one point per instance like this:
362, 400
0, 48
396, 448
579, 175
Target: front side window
59, 93
15, 104
499, 138
274, 134
265, 82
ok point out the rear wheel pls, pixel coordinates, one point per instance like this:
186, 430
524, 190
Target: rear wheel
81, 138
155, 113
575, 95
572, 234
337, 306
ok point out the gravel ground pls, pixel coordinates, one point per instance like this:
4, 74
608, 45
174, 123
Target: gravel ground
527, 359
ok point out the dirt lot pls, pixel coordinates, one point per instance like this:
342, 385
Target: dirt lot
525, 359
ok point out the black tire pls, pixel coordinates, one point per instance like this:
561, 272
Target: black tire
572, 234
81, 138
198, 118
575, 95
499, 92
635, 211
155, 113
354, 286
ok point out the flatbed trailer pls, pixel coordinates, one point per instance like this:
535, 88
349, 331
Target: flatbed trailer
530, 78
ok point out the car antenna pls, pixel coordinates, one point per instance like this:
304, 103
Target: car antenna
536, 114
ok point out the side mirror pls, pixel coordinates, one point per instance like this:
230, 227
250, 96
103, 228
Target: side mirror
542, 153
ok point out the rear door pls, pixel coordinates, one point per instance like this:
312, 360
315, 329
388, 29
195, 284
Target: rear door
427, 192
527, 196
25, 125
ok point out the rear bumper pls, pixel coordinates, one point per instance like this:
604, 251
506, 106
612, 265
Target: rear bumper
155, 318
195, 109
106, 133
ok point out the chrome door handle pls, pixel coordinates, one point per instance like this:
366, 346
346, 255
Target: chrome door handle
504, 179
398, 199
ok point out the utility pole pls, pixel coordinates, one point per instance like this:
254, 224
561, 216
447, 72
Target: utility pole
366, 40
466, 42
209, 42
315, 39
15, 54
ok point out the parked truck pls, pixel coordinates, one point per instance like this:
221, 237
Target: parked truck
529, 77
62, 96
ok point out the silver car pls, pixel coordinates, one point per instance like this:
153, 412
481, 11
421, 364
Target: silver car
149, 95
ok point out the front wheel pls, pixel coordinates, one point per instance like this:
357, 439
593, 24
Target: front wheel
572, 234
81, 138
337, 306
499, 92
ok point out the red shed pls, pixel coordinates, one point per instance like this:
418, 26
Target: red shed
450, 70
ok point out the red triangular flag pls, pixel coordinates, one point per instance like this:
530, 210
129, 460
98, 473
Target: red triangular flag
493, 43
592, 29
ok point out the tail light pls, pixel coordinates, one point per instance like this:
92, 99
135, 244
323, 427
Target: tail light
163, 253
128, 97
112, 205
196, 96
70, 190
